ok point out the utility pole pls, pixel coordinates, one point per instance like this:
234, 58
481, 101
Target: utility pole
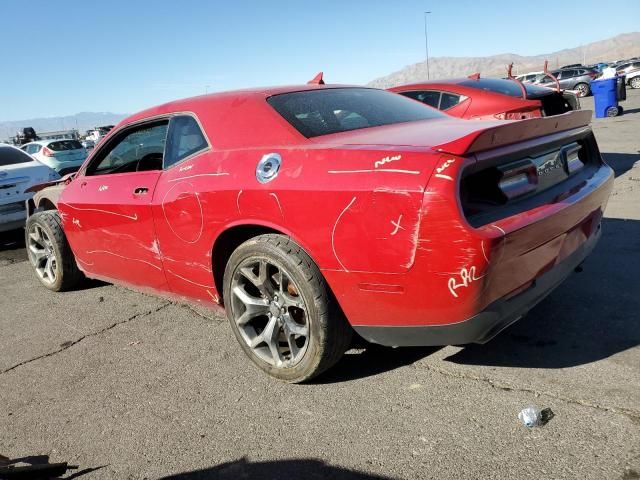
426, 41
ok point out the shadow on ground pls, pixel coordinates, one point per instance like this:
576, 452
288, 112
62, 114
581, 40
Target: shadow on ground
621, 162
38, 467
591, 316
307, 469
12, 247
373, 360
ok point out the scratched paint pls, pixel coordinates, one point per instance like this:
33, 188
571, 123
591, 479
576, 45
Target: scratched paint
183, 213
333, 233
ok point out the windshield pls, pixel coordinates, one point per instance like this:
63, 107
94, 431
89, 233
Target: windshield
322, 112
505, 87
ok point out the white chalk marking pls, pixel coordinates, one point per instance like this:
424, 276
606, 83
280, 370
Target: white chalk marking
278, 202
131, 217
333, 232
466, 278
397, 225
126, 258
199, 175
387, 160
446, 177
76, 222
169, 223
238, 200
187, 280
381, 170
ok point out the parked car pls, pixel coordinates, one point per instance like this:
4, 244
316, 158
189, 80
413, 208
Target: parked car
633, 79
18, 171
490, 98
528, 77
572, 65
88, 144
312, 211
628, 67
64, 156
578, 79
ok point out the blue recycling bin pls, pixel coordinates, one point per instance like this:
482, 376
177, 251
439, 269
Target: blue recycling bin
605, 96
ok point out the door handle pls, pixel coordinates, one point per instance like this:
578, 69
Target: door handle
141, 191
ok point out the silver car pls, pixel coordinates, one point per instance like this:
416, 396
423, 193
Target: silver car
578, 79
18, 171
64, 156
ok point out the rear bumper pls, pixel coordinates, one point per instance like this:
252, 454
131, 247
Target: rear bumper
483, 326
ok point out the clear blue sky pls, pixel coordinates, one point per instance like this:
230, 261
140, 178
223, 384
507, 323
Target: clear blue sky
63, 57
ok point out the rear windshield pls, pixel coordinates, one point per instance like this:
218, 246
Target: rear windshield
63, 145
322, 112
13, 156
505, 87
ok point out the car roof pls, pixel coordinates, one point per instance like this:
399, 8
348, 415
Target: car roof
227, 115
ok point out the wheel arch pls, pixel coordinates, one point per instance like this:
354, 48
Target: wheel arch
236, 234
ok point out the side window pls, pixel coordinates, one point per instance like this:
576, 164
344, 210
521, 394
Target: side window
449, 100
430, 97
185, 139
136, 150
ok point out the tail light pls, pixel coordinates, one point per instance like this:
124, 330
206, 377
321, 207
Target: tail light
47, 153
518, 115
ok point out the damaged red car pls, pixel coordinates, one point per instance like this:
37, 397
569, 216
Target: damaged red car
475, 98
316, 211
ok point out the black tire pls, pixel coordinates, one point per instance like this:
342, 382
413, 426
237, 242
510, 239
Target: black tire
286, 267
55, 248
583, 88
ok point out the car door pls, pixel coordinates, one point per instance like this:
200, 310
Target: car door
187, 203
106, 209
566, 78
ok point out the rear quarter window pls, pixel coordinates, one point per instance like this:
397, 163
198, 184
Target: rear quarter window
64, 145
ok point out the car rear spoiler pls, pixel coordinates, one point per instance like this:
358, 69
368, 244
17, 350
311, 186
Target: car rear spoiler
509, 132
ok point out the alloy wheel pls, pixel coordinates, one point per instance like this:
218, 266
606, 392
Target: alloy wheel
270, 313
42, 254
583, 90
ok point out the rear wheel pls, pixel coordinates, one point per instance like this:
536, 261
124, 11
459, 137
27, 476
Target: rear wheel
635, 82
49, 252
583, 89
281, 310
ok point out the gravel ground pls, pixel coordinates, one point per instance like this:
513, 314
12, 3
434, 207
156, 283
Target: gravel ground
126, 385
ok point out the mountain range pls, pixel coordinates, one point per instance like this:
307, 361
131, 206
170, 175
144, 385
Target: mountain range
623, 46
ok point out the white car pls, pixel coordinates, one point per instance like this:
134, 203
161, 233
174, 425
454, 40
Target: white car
64, 156
633, 78
18, 171
528, 77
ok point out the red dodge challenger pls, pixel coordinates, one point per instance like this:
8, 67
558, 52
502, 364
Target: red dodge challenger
314, 211
476, 98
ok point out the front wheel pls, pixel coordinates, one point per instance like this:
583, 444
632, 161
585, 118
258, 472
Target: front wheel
49, 252
635, 82
281, 310
583, 89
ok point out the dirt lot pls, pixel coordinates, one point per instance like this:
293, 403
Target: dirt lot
137, 387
